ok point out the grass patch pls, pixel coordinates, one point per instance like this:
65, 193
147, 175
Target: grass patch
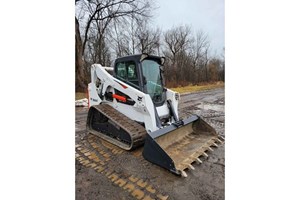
194, 88
80, 95
190, 88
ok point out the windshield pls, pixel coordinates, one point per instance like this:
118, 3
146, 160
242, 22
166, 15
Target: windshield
153, 82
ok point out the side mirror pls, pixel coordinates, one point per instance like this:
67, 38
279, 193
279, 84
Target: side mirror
144, 80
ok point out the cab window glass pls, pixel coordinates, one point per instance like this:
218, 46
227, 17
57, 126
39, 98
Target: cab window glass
131, 72
121, 70
128, 72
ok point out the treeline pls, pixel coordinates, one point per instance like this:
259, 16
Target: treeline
107, 29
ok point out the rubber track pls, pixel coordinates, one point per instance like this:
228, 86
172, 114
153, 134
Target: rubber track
136, 131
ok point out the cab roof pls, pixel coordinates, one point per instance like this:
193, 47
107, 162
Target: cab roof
137, 58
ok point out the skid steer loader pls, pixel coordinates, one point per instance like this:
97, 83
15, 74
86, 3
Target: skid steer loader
129, 107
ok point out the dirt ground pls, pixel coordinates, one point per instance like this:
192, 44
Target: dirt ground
104, 171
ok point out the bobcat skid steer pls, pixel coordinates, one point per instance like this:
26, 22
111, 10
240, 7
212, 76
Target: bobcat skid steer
129, 107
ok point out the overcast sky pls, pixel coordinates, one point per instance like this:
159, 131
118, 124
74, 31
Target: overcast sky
206, 15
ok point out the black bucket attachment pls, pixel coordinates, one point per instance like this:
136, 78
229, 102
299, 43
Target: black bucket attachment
177, 146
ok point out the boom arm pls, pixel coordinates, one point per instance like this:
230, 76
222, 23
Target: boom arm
103, 88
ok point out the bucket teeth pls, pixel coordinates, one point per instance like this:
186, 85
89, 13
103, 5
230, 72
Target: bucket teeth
215, 145
191, 167
198, 161
220, 141
210, 149
205, 154
183, 173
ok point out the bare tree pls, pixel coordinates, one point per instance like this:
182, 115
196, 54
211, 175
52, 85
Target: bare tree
199, 55
148, 39
213, 67
205, 64
188, 57
222, 67
177, 41
100, 13
106, 29
79, 71
134, 36
101, 10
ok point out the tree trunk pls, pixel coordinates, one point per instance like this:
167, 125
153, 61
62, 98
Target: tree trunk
80, 85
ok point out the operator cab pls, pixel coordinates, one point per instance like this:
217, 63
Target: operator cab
143, 72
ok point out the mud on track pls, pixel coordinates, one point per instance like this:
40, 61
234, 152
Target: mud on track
104, 171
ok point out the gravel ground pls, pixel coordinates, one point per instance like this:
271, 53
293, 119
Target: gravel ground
104, 171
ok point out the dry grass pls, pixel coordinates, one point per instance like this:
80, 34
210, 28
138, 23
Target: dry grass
194, 88
80, 95
190, 88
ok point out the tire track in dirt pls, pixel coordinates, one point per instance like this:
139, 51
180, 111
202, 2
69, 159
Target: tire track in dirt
97, 154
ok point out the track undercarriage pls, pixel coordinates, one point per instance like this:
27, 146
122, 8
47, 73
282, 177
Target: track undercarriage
174, 147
